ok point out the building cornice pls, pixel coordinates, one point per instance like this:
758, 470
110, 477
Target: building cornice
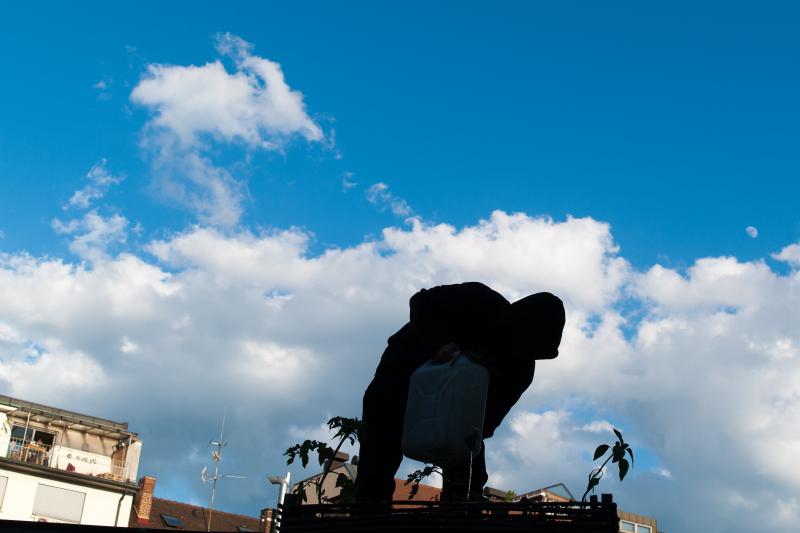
67, 417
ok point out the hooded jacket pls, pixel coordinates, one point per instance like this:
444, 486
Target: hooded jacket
474, 317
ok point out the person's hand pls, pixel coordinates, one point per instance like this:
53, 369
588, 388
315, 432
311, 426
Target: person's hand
446, 353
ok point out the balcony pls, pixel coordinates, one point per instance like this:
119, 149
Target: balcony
49, 437
68, 459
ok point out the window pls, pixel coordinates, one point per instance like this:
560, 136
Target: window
3, 483
31, 445
172, 521
33, 435
631, 527
18, 432
58, 503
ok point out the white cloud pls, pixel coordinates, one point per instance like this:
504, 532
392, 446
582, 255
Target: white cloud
252, 104
128, 346
347, 181
102, 87
790, 254
93, 234
598, 426
788, 510
50, 370
282, 368
663, 472
321, 433
195, 182
711, 283
751, 231
194, 107
378, 194
100, 179
704, 378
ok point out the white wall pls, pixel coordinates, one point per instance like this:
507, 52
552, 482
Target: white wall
5, 434
132, 461
100, 506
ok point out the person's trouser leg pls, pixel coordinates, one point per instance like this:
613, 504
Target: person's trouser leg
385, 401
380, 454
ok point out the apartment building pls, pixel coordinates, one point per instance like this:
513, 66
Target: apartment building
62, 466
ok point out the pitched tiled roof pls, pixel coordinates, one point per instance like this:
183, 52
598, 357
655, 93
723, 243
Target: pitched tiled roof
425, 492
194, 518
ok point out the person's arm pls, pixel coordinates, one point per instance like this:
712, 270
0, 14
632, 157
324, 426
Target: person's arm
505, 390
446, 353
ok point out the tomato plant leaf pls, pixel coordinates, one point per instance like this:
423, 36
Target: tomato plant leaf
600, 451
623, 468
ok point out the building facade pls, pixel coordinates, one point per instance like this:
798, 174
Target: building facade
62, 466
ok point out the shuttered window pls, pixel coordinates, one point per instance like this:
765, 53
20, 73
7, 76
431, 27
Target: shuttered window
58, 503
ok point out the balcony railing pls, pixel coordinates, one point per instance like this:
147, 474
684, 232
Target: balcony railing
28, 452
68, 459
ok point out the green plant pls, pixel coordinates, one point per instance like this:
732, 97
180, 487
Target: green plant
618, 451
347, 429
416, 477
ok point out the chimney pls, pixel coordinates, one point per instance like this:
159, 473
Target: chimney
266, 519
144, 499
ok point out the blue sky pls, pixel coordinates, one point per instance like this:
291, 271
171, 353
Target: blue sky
180, 243
676, 125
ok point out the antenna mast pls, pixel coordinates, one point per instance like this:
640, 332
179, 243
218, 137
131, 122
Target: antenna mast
216, 456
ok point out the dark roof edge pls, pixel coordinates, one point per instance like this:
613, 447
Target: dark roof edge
46, 410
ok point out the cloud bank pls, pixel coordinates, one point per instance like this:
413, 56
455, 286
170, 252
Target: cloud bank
698, 368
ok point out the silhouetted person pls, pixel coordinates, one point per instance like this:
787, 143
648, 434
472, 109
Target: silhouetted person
467, 317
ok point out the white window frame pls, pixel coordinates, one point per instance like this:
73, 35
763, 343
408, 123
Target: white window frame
42, 488
636, 527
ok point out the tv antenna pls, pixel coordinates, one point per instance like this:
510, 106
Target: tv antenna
216, 456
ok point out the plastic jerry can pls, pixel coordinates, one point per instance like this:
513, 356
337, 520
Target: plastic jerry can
445, 410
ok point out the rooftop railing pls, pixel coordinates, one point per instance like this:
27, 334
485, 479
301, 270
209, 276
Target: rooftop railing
67, 459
